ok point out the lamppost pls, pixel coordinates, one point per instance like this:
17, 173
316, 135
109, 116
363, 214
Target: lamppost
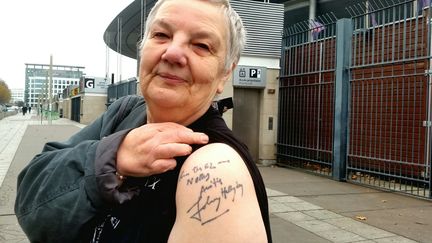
50, 91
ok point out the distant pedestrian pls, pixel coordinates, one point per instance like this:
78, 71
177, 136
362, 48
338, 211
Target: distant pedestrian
29, 109
24, 110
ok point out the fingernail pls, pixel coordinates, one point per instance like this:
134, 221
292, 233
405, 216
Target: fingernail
204, 138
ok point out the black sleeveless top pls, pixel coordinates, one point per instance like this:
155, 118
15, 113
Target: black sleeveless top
150, 216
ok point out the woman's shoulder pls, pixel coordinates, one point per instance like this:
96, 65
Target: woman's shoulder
126, 112
215, 193
126, 101
220, 156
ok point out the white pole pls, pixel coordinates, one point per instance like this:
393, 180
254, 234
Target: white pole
107, 61
142, 20
50, 90
312, 9
120, 46
312, 16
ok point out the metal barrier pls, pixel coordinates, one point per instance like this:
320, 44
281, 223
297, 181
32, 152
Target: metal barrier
389, 135
53, 114
355, 99
306, 95
121, 89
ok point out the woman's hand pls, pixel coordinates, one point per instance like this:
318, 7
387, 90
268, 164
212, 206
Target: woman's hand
151, 148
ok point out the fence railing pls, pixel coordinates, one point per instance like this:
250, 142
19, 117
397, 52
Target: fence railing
306, 94
121, 89
355, 101
389, 144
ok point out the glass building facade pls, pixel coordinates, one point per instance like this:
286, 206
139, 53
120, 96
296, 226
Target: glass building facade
37, 81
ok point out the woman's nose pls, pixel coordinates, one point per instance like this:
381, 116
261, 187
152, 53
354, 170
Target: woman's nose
175, 54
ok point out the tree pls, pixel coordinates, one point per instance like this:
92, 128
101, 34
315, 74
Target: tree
5, 93
19, 103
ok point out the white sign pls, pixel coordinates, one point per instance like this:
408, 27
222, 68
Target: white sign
250, 77
93, 85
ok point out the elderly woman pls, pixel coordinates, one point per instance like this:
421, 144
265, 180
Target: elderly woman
164, 170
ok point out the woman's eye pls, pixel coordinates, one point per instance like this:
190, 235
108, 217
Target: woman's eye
203, 46
160, 35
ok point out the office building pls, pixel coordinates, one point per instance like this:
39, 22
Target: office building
37, 81
17, 95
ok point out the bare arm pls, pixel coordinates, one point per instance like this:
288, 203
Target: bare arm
216, 200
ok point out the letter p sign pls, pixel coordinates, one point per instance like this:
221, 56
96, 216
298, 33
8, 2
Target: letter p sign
255, 73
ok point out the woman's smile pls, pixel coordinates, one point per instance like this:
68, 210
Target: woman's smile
171, 79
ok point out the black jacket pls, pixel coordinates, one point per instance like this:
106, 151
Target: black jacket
71, 187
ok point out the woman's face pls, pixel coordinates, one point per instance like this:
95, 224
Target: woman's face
183, 60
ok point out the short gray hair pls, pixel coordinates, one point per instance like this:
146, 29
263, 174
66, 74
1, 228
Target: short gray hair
236, 32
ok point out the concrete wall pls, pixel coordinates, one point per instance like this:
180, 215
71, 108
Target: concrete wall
66, 106
92, 106
269, 109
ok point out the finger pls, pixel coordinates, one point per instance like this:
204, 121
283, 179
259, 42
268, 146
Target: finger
171, 150
163, 165
181, 136
191, 137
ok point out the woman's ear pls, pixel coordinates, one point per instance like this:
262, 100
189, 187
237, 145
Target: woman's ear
225, 78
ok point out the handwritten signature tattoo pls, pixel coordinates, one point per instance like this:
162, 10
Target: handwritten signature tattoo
208, 208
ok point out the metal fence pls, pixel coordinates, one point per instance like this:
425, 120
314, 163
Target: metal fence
120, 89
388, 120
306, 95
389, 142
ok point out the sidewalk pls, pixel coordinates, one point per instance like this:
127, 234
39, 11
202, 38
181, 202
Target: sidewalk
303, 207
21, 138
316, 209
12, 129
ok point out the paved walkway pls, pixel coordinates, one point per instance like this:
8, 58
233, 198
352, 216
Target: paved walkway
325, 224
12, 129
303, 207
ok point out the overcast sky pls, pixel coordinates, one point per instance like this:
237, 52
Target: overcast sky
72, 31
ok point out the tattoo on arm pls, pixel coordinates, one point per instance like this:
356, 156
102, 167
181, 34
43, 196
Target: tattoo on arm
207, 207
